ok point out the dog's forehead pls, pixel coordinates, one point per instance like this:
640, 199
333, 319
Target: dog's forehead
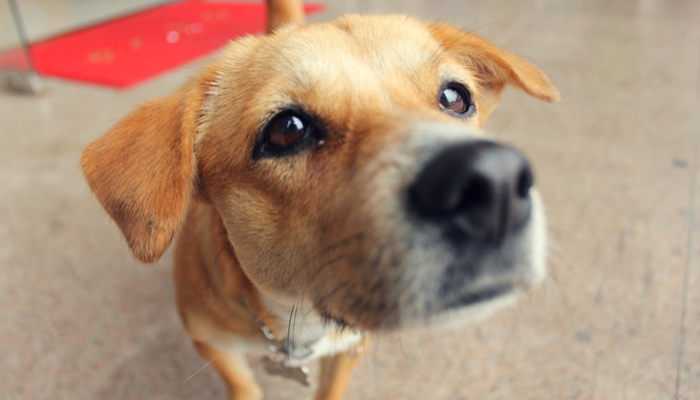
355, 71
370, 49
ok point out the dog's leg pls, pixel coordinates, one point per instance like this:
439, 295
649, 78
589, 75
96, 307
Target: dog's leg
235, 370
284, 12
335, 374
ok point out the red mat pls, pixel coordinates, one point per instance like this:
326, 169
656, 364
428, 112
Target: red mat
132, 49
14, 59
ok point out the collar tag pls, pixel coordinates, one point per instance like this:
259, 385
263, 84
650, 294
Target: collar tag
280, 368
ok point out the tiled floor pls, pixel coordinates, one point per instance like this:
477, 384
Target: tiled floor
617, 162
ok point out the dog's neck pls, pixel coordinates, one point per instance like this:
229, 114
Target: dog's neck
307, 335
297, 332
305, 330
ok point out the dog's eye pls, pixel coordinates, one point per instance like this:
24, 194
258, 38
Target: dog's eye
286, 130
455, 98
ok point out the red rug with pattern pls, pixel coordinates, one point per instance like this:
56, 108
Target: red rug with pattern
131, 49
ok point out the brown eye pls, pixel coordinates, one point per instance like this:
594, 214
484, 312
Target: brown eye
455, 98
287, 133
286, 130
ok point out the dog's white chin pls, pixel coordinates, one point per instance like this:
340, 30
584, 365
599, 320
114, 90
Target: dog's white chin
457, 317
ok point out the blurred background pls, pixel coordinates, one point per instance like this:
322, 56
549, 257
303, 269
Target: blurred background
616, 162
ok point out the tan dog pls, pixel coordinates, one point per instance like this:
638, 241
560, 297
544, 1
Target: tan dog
333, 173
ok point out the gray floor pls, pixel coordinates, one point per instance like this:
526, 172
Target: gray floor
46, 18
616, 159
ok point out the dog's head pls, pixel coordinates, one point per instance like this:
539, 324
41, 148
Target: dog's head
347, 164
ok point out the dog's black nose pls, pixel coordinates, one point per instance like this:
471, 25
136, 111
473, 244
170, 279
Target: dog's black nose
481, 188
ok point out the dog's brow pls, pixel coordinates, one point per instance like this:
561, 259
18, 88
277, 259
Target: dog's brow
339, 56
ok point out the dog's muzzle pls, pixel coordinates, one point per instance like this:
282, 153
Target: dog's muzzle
456, 229
477, 197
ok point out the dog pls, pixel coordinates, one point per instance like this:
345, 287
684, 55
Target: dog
332, 172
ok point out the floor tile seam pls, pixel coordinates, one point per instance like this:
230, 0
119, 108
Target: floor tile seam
689, 235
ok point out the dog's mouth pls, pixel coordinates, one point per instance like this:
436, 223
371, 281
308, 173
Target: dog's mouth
465, 300
480, 296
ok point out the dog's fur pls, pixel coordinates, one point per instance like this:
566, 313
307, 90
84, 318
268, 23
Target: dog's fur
322, 232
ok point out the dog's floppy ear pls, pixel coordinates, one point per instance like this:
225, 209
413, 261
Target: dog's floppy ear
143, 170
495, 65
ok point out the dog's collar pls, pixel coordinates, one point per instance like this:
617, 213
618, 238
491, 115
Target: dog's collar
284, 349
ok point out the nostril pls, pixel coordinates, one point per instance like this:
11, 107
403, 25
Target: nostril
434, 198
525, 182
476, 194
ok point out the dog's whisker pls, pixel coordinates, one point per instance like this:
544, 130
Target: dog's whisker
455, 36
560, 257
289, 326
403, 351
311, 311
329, 263
512, 137
340, 243
553, 275
377, 343
334, 290
555, 280
551, 278
209, 362
557, 231
213, 267
433, 58
498, 133
510, 20
549, 204
296, 313
293, 323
